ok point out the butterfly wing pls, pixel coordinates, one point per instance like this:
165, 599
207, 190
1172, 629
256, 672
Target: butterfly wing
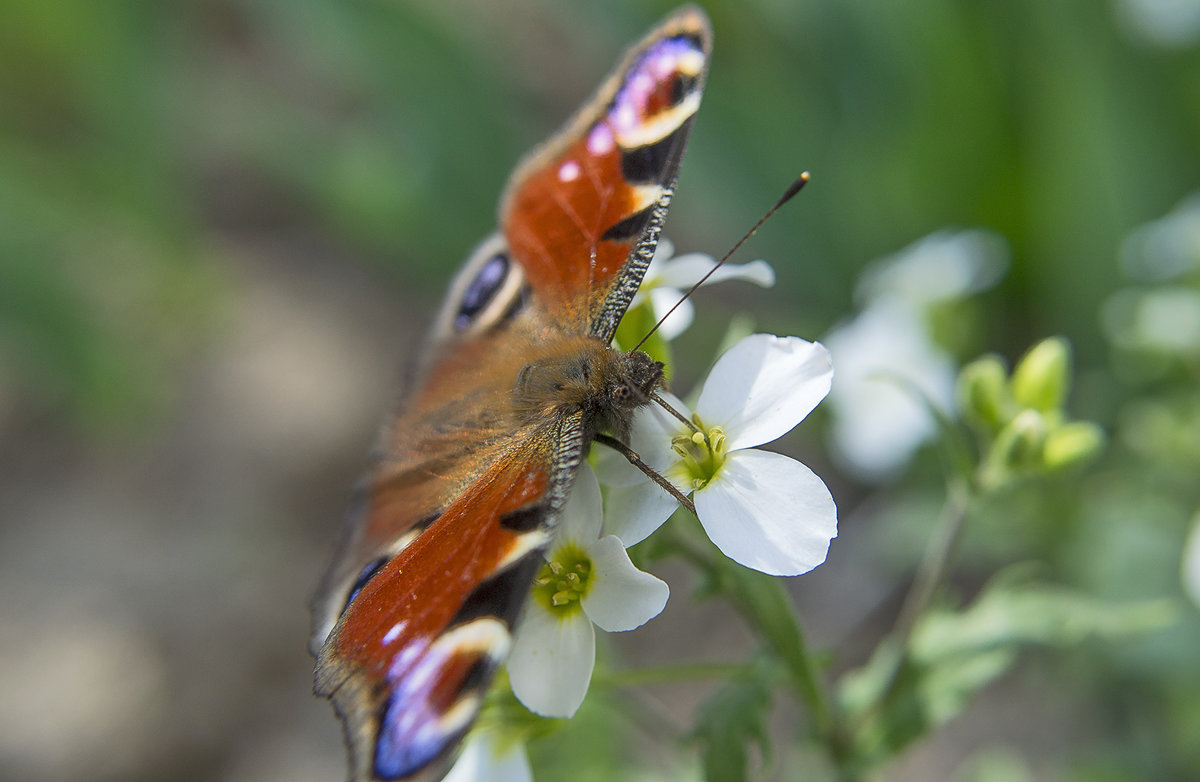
407, 663
416, 611
584, 212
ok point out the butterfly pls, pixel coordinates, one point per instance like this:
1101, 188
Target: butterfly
448, 529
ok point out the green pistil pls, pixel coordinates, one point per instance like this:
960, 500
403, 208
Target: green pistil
701, 453
564, 580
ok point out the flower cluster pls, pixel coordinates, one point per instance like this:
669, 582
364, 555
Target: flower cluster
888, 350
762, 509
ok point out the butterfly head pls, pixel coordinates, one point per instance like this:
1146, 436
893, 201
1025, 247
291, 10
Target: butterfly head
589, 377
635, 377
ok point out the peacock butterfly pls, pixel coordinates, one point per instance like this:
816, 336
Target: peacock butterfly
448, 528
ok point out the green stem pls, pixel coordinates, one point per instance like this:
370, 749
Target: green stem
766, 606
932, 570
928, 579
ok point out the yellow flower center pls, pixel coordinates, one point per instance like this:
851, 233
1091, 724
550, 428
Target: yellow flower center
700, 453
564, 580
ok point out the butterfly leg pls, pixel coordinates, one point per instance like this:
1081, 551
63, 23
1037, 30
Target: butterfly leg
680, 416
651, 473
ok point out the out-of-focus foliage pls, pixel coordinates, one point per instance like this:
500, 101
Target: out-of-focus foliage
153, 152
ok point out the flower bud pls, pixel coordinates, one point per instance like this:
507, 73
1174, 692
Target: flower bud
1072, 443
983, 393
1040, 379
1018, 447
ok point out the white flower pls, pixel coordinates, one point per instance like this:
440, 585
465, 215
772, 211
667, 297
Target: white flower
1167, 23
883, 356
1163, 316
764, 510
887, 352
485, 758
667, 278
944, 265
1167, 248
587, 579
1165, 319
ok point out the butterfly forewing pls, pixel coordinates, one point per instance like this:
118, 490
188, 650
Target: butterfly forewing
583, 213
418, 608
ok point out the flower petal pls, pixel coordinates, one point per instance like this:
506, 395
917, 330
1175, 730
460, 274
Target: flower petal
653, 428
882, 354
620, 597
686, 270
757, 271
768, 512
484, 759
632, 513
583, 515
763, 386
662, 255
661, 302
944, 265
613, 469
552, 659
635, 506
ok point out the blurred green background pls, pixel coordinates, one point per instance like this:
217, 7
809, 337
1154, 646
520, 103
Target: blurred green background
224, 224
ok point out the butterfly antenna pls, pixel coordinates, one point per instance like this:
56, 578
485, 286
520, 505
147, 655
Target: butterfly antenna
795, 187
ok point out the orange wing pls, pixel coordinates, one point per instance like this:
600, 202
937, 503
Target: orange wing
584, 212
407, 663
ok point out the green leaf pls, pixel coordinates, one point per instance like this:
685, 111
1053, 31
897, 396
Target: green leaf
634, 326
765, 604
762, 601
951, 655
1014, 610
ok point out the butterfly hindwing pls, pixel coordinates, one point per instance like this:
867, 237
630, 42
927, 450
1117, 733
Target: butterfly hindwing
418, 608
408, 660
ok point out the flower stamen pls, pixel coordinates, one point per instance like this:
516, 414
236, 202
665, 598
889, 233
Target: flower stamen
701, 454
563, 580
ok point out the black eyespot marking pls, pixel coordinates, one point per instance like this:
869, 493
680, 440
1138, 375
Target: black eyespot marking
651, 162
524, 519
631, 227
481, 291
365, 575
479, 674
502, 595
681, 86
